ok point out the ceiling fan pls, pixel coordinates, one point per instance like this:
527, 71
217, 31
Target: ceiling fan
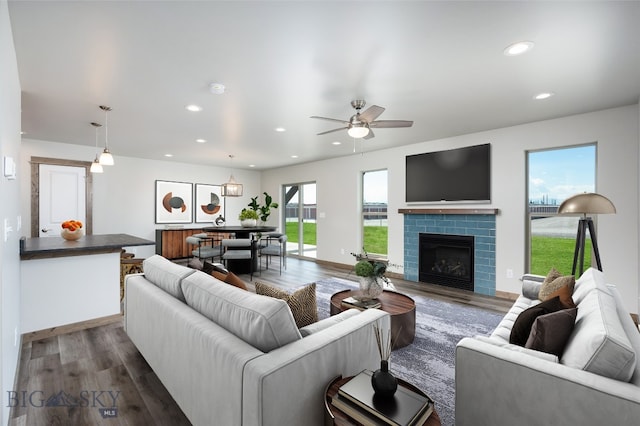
361, 123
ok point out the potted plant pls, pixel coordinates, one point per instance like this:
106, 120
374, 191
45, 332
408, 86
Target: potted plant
248, 217
263, 211
372, 276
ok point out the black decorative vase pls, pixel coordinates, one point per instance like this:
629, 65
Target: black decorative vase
384, 383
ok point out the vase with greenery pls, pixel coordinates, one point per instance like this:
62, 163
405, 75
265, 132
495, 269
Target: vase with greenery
248, 217
263, 211
372, 277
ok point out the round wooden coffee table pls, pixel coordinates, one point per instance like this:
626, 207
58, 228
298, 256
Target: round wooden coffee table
401, 307
334, 416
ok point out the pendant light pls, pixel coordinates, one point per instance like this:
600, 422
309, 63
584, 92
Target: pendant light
231, 188
106, 159
96, 167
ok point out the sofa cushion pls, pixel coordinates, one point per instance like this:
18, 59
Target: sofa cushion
598, 343
589, 280
166, 274
302, 301
263, 322
522, 325
553, 282
550, 332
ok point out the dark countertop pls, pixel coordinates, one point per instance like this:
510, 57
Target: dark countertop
49, 247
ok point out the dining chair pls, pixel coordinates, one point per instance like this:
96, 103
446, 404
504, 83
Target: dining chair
233, 249
206, 247
275, 246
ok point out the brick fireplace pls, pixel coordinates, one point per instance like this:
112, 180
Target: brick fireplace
480, 224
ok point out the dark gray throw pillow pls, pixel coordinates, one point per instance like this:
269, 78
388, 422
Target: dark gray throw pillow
550, 332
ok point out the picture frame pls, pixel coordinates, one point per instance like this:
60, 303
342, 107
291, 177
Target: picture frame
209, 203
174, 202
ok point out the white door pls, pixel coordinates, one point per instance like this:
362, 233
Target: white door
62, 197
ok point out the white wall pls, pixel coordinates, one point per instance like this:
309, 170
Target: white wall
9, 211
124, 195
615, 131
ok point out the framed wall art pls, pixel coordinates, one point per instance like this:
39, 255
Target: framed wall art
209, 203
174, 202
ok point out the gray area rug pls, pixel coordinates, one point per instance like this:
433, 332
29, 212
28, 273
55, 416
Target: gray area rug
428, 363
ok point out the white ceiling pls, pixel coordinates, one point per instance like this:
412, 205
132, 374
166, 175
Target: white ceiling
439, 64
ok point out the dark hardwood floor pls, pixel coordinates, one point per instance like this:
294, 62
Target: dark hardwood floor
92, 374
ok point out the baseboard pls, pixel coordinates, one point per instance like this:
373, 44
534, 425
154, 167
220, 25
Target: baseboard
69, 328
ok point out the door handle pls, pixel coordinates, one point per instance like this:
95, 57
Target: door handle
45, 230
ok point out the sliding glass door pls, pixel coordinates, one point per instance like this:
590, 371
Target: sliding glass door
300, 219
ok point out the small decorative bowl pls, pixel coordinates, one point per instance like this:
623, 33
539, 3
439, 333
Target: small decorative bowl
71, 235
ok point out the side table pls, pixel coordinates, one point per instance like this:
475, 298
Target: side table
335, 417
401, 307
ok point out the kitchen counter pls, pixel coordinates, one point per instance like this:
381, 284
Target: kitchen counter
48, 247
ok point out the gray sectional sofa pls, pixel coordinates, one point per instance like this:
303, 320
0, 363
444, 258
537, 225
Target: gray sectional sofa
596, 380
232, 357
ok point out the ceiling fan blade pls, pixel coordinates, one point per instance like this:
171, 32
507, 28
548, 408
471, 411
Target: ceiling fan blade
370, 135
391, 123
371, 113
333, 130
330, 119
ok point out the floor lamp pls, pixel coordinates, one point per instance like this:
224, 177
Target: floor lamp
586, 204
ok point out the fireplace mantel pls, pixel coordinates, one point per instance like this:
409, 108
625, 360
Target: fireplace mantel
449, 211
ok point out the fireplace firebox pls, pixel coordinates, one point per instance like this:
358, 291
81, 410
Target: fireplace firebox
446, 260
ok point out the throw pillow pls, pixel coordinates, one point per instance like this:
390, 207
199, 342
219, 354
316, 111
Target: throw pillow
229, 278
564, 293
550, 332
523, 323
553, 282
302, 302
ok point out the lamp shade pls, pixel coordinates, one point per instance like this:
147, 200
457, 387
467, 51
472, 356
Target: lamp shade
358, 130
106, 159
96, 167
232, 188
587, 203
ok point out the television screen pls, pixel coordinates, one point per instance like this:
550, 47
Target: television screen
462, 174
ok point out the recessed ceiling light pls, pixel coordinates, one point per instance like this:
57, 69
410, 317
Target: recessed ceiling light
168, 155
216, 88
193, 108
518, 48
280, 129
543, 95
201, 140
252, 165
294, 156
336, 143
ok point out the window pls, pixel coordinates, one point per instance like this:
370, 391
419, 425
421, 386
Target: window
553, 176
374, 212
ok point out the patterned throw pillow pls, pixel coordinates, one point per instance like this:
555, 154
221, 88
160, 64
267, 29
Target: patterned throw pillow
553, 282
302, 302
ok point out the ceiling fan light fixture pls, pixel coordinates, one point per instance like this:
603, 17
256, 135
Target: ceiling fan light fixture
358, 130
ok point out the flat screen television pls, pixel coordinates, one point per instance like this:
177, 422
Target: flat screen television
456, 175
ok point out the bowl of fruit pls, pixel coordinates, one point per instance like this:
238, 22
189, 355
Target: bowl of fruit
71, 230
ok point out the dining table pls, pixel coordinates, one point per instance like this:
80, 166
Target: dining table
241, 266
